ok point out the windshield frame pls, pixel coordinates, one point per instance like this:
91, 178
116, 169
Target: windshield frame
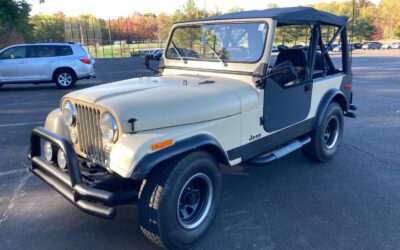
186, 25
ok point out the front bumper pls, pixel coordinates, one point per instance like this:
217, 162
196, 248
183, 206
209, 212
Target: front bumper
70, 184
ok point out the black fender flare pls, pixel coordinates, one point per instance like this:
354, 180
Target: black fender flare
332, 95
203, 141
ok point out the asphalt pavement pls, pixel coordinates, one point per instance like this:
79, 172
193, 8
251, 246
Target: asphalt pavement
351, 202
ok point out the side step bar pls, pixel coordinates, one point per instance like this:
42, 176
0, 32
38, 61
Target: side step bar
281, 152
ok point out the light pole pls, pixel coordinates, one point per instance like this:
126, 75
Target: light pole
205, 8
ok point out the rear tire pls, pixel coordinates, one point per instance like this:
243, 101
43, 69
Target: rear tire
65, 78
179, 200
1, 85
326, 139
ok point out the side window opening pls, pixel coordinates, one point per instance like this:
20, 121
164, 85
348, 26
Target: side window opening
292, 44
63, 50
332, 62
48, 51
43, 51
14, 53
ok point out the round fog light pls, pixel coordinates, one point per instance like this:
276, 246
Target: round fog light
61, 161
47, 151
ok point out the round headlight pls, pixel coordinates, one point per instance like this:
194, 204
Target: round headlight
108, 127
69, 113
61, 161
47, 151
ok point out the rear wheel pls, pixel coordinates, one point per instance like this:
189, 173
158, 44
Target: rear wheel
179, 200
326, 139
65, 78
1, 85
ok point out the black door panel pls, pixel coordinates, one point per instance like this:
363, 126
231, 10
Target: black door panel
285, 106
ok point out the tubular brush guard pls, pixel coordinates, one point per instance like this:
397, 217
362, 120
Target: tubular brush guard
90, 200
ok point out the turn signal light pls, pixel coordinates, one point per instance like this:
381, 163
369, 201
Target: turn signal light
348, 86
85, 60
162, 144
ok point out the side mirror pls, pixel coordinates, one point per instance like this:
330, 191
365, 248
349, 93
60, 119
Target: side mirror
284, 74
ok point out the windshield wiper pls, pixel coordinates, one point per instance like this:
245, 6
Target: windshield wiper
177, 52
215, 53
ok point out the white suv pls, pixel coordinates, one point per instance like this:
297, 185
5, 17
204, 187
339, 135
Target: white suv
61, 63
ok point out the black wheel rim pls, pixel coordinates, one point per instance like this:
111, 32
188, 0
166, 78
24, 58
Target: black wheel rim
194, 201
331, 133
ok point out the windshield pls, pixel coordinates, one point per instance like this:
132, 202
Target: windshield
234, 42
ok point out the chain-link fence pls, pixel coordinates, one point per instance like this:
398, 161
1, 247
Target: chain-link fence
111, 39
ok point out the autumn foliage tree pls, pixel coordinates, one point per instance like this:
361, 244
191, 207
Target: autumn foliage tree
371, 22
14, 22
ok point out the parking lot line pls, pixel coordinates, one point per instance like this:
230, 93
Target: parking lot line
19, 124
24, 103
14, 171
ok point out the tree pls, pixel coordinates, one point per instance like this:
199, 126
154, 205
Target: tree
397, 31
48, 28
365, 25
272, 6
14, 26
164, 23
389, 15
235, 9
189, 11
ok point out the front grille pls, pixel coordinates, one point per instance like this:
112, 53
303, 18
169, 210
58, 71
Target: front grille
89, 134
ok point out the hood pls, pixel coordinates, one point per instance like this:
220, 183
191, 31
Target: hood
166, 101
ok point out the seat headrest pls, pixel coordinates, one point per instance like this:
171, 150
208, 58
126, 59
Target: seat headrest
297, 56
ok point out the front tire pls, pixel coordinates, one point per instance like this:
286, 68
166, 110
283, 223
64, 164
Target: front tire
65, 78
179, 200
326, 139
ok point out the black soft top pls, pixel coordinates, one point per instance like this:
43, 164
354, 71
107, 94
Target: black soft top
286, 16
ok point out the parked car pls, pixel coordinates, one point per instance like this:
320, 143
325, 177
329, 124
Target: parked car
298, 47
396, 45
387, 46
338, 48
160, 140
282, 47
358, 45
60, 63
158, 54
391, 46
275, 49
184, 53
372, 45
153, 53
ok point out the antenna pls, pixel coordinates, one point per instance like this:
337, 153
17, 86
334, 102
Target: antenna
352, 32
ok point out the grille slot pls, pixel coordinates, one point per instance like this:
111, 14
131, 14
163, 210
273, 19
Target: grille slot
89, 134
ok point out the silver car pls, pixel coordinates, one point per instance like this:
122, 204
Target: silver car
61, 63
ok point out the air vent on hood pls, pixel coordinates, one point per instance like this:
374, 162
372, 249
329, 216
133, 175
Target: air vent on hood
207, 82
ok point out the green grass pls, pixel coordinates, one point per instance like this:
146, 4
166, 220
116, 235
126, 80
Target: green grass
118, 51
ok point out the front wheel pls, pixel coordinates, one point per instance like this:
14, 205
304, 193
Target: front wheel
65, 78
179, 200
326, 139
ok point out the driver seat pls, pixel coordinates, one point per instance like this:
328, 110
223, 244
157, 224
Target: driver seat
297, 57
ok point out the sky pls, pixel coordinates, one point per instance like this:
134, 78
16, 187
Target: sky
116, 8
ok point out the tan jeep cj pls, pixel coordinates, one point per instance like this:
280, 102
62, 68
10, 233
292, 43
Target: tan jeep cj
221, 97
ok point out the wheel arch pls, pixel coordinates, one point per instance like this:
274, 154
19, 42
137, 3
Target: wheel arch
333, 95
203, 142
63, 68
